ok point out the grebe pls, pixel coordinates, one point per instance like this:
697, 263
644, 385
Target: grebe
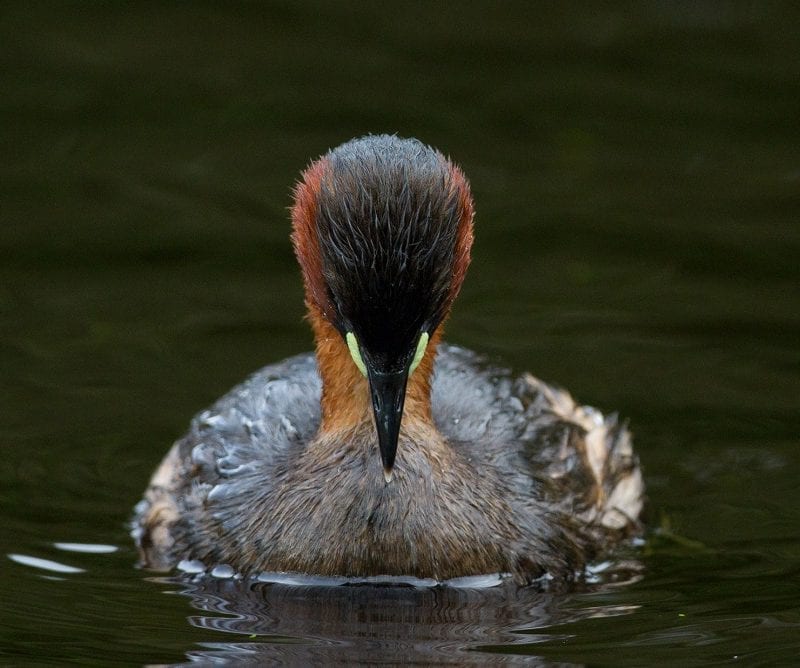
388, 452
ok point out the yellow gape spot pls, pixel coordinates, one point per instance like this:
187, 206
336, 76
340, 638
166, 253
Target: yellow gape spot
355, 353
422, 344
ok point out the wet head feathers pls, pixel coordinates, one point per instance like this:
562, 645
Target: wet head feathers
382, 230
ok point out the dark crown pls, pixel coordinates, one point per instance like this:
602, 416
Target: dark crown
388, 214
393, 222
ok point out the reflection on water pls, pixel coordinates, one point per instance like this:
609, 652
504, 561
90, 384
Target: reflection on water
637, 184
366, 624
43, 564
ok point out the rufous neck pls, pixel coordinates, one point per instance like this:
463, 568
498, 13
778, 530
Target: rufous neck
346, 399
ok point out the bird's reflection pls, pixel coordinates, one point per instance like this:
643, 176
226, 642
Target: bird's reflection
383, 625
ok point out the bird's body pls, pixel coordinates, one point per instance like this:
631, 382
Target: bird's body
295, 471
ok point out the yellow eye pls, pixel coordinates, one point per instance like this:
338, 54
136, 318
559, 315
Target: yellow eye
422, 344
355, 353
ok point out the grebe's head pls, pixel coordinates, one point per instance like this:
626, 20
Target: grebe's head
382, 231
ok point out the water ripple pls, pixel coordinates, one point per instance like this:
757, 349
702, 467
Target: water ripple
44, 564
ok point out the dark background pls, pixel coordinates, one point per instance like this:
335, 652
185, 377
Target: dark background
636, 170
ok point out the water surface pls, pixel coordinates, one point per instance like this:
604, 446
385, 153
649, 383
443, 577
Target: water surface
637, 182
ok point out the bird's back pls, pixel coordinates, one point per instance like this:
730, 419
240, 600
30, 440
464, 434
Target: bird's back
555, 482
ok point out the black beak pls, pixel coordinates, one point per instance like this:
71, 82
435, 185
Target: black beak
388, 395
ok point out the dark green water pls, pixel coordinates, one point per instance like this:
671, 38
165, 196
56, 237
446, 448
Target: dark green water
636, 171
